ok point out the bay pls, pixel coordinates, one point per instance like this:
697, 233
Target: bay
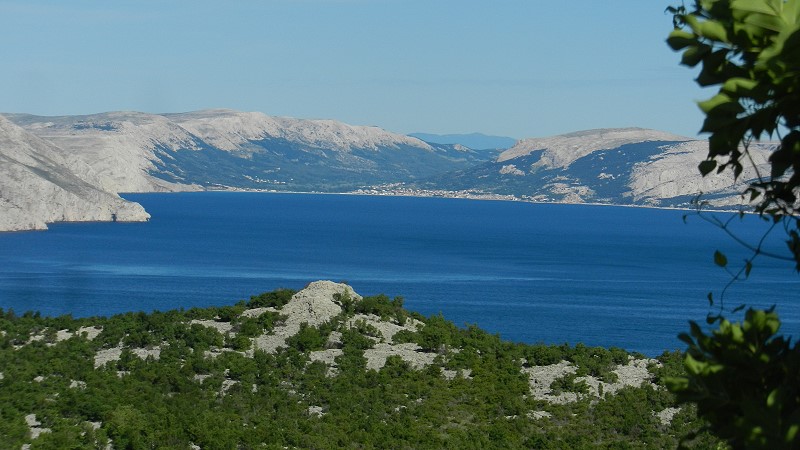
601, 275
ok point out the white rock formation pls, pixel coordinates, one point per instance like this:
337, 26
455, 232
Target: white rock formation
562, 150
674, 173
313, 305
230, 130
35, 426
117, 147
38, 186
634, 373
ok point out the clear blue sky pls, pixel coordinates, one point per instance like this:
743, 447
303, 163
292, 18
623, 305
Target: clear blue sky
520, 68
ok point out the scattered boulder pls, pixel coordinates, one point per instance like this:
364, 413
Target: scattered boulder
35, 426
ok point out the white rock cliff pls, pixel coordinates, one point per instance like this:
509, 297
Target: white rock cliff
39, 186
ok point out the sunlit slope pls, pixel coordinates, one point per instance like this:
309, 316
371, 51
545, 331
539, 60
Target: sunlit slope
39, 185
628, 166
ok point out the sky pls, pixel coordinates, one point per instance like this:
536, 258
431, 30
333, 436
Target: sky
517, 68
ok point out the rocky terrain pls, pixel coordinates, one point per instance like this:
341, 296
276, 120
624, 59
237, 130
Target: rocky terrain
627, 166
98, 156
224, 149
40, 183
324, 337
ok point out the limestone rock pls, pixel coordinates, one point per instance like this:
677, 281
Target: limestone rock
38, 186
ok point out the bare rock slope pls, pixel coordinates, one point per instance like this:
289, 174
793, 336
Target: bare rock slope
39, 186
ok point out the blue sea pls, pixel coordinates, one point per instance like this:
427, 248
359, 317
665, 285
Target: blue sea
601, 275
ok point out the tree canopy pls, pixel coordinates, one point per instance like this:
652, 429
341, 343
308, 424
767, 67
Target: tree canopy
750, 50
743, 377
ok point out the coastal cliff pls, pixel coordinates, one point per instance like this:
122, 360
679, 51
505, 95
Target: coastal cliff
38, 186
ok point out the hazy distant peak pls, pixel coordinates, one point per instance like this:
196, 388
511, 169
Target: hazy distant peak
476, 141
563, 149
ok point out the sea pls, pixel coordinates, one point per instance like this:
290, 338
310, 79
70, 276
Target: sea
538, 273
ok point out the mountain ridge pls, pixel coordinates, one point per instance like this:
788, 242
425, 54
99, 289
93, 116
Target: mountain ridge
129, 151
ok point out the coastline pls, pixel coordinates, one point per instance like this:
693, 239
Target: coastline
399, 191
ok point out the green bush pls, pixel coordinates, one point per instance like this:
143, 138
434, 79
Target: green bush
307, 339
274, 299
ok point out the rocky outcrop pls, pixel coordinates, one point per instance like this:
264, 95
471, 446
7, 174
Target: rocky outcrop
37, 186
314, 305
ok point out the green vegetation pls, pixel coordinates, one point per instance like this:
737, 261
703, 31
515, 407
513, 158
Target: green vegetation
743, 377
177, 383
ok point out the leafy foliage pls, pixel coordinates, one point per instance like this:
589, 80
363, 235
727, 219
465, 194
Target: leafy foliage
744, 377
274, 299
744, 380
750, 50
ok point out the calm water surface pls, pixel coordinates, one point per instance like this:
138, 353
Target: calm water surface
611, 276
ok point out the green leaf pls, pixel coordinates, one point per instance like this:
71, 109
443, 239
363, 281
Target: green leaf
753, 6
676, 384
693, 55
739, 85
707, 166
713, 30
770, 23
715, 102
680, 39
693, 366
720, 259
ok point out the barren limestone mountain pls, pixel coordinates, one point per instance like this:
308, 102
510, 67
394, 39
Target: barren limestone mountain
40, 185
222, 149
626, 166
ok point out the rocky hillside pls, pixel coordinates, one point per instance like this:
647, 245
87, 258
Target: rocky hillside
629, 166
320, 368
41, 184
223, 149
220, 149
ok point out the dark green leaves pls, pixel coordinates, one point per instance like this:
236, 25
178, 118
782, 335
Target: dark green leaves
720, 259
707, 166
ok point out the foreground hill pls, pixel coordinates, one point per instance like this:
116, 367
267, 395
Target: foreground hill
626, 166
320, 368
39, 184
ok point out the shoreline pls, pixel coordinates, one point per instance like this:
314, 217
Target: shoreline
395, 191
456, 195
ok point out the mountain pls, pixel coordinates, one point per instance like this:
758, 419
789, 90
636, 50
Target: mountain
219, 149
626, 166
71, 167
39, 184
476, 141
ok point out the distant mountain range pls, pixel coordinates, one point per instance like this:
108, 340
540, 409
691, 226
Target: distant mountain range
70, 168
475, 141
627, 166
